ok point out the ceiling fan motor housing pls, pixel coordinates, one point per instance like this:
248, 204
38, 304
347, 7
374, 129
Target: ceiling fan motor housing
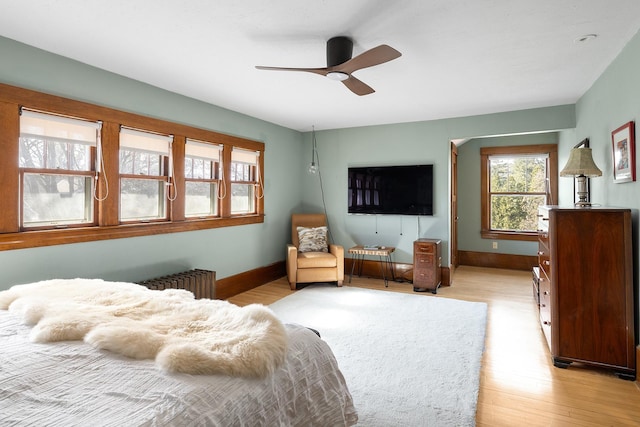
339, 50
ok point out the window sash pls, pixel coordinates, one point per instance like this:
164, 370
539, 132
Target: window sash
141, 162
528, 201
51, 200
507, 166
47, 154
201, 198
243, 198
145, 200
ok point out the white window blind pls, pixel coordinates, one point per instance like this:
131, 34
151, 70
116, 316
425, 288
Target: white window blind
35, 124
202, 150
245, 156
145, 141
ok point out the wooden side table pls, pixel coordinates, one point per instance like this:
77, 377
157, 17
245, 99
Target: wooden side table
382, 252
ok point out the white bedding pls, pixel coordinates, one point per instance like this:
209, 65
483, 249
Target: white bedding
73, 384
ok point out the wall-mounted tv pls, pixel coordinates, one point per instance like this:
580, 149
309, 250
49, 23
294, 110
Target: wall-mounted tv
391, 190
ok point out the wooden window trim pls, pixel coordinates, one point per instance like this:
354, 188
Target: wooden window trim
109, 227
485, 206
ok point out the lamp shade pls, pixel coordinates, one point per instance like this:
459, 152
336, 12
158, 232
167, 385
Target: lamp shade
580, 163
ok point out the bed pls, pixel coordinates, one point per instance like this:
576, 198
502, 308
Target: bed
72, 383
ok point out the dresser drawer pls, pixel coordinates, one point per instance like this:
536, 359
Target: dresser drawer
423, 248
536, 284
544, 260
423, 276
545, 306
424, 260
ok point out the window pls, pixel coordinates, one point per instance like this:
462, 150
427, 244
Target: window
202, 173
145, 170
75, 172
245, 180
56, 155
515, 182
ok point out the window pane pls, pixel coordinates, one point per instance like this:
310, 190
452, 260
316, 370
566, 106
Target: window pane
80, 157
242, 198
141, 163
126, 161
515, 213
142, 199
234, 175
56, 199
241, 172
53, 154
135, 162
57, 155
198, 168
200, 199
154, 164
31, 153
188, 167
523, 174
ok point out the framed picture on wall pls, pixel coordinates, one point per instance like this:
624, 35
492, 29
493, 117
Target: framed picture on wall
624, 153
587, 182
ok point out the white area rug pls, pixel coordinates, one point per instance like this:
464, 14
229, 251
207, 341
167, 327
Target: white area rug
409, 360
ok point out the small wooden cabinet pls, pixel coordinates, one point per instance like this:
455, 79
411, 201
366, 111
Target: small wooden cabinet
586, 287
427, 262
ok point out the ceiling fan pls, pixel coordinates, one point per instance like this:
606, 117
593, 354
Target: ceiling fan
341, 66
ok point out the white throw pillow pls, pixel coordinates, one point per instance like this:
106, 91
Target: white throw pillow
312, 239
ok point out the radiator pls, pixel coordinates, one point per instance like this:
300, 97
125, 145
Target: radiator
201, 282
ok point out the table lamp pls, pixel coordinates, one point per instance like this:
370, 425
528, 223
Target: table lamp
581, 165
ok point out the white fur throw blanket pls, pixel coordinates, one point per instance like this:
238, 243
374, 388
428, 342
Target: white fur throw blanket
182, 334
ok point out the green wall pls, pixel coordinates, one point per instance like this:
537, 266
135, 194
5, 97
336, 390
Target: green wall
409, 143
228, 251
611, 102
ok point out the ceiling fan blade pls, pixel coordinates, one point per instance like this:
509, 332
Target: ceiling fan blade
320, 71
375, 56
357, 86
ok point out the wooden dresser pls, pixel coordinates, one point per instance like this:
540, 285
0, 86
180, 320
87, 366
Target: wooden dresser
427, 262
586, 287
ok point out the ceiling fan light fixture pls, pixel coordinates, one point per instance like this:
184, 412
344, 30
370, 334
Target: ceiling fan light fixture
341, 64
338, 76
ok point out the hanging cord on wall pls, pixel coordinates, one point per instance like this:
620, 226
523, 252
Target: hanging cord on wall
100, 168
324, 205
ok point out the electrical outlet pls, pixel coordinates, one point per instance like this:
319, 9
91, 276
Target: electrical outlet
495, 245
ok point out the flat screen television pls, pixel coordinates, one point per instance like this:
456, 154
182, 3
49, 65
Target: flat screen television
391, 190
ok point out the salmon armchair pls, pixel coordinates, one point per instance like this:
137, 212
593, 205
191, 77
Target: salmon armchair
312, 259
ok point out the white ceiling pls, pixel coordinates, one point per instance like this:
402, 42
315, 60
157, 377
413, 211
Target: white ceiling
459, 57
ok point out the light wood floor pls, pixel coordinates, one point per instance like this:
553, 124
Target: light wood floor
519, 385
